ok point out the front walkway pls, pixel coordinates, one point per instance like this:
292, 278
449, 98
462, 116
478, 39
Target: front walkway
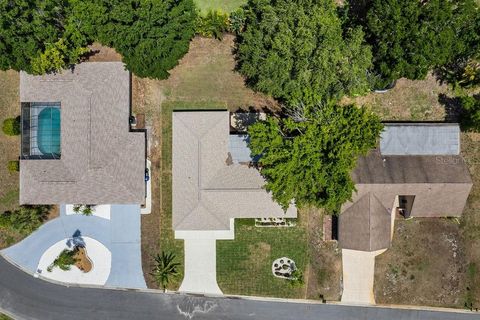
120, 235
201, 259
358, 276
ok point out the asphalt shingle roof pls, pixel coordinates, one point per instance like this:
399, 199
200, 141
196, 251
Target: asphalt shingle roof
102, 162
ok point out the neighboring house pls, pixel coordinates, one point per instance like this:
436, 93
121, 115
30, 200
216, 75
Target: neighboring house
213, 177
77, 145
418, 172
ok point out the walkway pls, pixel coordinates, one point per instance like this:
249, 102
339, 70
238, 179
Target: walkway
120, 234
358, 276
25, 297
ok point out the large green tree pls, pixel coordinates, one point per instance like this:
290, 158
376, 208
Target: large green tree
296, 51
151, 35
39, 32
410, 37
308, 156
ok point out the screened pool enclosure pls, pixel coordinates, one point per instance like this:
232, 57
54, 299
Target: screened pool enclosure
41, 130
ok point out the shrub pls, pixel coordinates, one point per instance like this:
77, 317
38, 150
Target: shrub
13, 166
213, 24
11, 126
470, 116
64, 261
237, 20
26, 219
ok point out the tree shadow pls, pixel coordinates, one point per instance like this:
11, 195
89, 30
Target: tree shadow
76, 241
453, 107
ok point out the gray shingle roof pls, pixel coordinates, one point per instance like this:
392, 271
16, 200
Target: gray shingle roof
208, 190
102, 162
420, 139
365, 225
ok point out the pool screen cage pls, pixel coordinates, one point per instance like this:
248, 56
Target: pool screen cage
40, 135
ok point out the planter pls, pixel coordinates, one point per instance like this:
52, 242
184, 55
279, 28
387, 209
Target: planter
83, 261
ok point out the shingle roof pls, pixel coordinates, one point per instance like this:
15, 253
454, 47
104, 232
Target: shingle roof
208, 189
365, 225
102, 162
420, 139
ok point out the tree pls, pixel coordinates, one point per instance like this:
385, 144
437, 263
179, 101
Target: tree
296, 51
151, 35
410, 37
165, 269
307, 158
32, 28
470, 115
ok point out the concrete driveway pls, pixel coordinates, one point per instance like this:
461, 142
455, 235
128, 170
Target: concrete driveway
120, 234
201, 259
358, 276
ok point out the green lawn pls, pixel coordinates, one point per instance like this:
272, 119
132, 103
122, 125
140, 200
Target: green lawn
223, 5
244, 265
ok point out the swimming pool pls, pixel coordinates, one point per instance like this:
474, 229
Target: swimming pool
48, 134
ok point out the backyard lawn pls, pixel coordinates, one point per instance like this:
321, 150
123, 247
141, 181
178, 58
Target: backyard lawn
222, 5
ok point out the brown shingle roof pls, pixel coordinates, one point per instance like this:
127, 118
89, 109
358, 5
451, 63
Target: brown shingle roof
101, 160
207, 191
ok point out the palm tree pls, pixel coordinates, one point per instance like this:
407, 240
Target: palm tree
165, 268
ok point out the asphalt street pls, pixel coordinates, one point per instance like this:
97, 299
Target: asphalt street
26, 297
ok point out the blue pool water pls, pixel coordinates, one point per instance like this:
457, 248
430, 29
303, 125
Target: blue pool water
48, 134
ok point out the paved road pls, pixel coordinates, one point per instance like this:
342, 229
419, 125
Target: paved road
30, 298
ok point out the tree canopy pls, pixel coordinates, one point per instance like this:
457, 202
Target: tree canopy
410, 37
32, 28
308, 158
151, 35
296, 51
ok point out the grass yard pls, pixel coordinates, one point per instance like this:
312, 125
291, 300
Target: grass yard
244, 265
222, 5
10, 146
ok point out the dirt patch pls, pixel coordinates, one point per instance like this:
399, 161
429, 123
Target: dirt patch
100, 53
425, 266
259, 256
206, 74
324, 272
409, 100
83, 262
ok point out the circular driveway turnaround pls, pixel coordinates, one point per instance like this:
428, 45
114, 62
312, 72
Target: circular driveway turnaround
100, 256
120, 235
25, 297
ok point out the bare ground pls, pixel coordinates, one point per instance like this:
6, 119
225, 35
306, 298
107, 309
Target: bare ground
324, 271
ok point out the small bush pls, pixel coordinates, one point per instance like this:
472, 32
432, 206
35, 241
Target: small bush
237, 20
11, 126
213, 24
26, 219
13, 166
470, 116
64, 261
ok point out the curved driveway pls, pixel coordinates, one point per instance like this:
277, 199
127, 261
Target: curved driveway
25, 297
120, 234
